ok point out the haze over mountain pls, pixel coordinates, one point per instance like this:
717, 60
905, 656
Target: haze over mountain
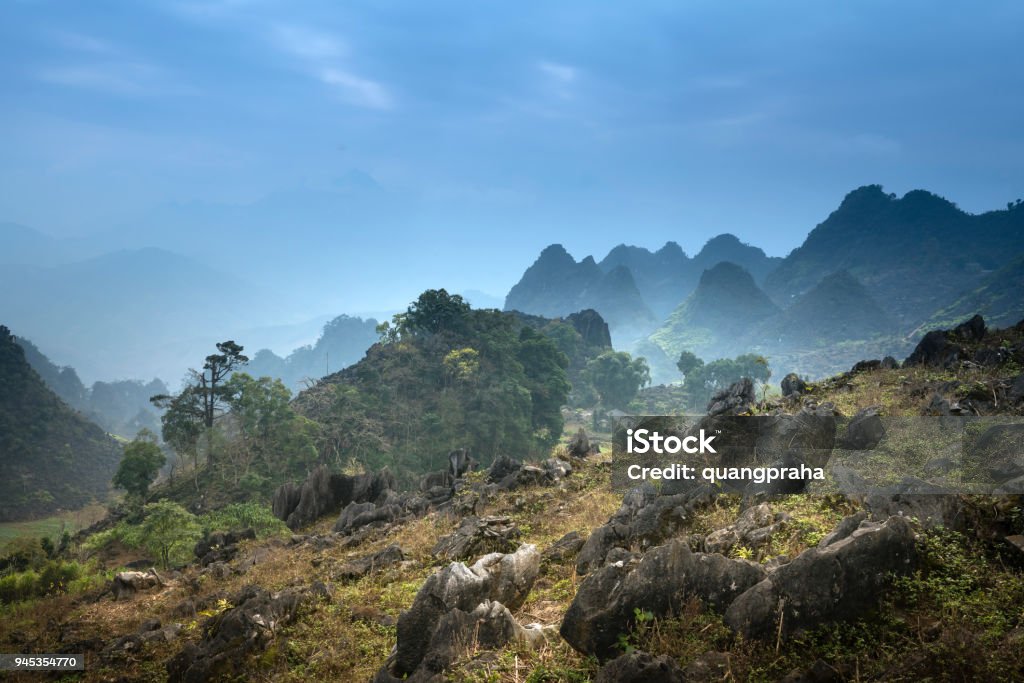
868, 281
667, 276
120, 407
342, 342
51, 457
556, 285
912, 254
710, 322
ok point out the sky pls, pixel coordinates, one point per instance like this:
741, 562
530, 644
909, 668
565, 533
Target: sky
406, 145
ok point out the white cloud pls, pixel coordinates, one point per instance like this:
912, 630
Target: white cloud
309, 44
82, 42
360, 91
560, 73
121, 78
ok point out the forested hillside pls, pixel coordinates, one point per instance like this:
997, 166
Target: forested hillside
50, 456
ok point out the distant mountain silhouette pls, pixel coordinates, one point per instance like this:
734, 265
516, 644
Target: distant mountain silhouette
344, 341
723, 309
668, 276
912, 254
556, 285
50, 456
836, 309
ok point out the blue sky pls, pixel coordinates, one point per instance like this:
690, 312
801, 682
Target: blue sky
445, 144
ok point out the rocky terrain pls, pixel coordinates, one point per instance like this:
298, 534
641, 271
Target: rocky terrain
539, 572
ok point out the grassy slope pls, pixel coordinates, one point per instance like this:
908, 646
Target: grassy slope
959, 618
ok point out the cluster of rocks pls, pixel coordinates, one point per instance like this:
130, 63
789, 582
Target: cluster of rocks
752, 530
248, 626
221, 546
462, 608
834, 580
150, 631
644, 519
324, 492
371, 501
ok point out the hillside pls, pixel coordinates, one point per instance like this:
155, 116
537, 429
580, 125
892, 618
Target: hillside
999, 298
720, 312
121, 407
51, 458
444, 377
912, 254
589, 584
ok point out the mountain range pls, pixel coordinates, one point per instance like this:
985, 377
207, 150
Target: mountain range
869, 280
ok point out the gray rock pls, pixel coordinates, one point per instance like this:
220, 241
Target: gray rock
734, 400
644, 519
864, 431
488, 626
792, 385
126, 584
323, 493
358, 515
825, 584
233, 634
640, 667
564, 548
660, 582
478, 536
503, 578
369, 564
845, 527
752, 529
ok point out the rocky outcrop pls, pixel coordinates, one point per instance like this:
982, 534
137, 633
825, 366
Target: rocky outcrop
477, 536
829, 583
792, 386
369, 564
127, 584
643, 520
752, 530
233, 634
150, 631
563, 549
944, 348
580, 446
355, 516
505, 579
640, 667
221, 546
864, 431
507, 474
660, 582
737, 399
324, 492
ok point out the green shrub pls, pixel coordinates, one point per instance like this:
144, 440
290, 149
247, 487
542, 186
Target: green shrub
57, 576
244, 515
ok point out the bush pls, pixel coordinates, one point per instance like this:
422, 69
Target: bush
242, 516
57, 576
